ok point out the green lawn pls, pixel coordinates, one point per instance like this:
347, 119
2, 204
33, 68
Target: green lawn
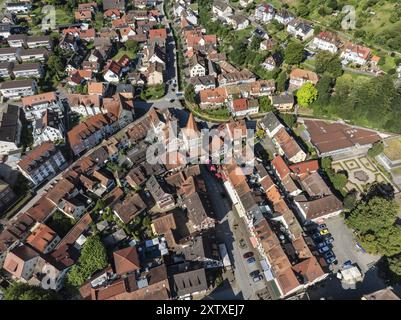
64, 17
122, 52
153, 92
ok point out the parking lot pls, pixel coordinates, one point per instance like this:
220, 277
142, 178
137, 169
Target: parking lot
344, 246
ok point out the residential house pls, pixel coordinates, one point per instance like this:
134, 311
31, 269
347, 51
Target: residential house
354, 53
69, 43
113, 71
37, 54
213, 98
284, 16
238, 21
197, 66
158, 190
288, 147
300, 28
20, 262
28, 70
221, 9
243, 107
114, 4
189, 283
42, 238
9, 54
83, 15
203, 82
235, 78
18, 88
42, 163
33, 42
18, 7
327, 41
283, 102
271, 124
299, 77
17, 40
129, 208
89, 133
6, 69
264, 12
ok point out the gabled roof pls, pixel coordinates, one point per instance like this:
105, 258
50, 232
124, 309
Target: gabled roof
281, 167
126, 260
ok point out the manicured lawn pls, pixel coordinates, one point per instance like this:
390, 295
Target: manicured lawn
153, 92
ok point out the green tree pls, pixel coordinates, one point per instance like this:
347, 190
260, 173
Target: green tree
24, 291
265, 104
374, 222
350, 200
132, 46
93, 258
376, 149
307, 94
238, 53
294, 53
324, 88
189, 93
328, 63
289, 119
394, 265
337, 179
282, 81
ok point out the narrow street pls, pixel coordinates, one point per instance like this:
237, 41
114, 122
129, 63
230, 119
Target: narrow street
231, 231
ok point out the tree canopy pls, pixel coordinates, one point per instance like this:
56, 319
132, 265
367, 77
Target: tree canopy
24, 291
294, 53
374, 222
328, 63
93, 258
306, 94
372, 102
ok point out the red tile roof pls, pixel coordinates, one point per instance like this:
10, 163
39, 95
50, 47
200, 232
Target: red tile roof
281, 167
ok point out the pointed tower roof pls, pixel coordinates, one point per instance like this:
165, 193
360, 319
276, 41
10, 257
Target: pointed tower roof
191, 130
126, 260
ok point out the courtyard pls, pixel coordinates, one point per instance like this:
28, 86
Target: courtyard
362, 172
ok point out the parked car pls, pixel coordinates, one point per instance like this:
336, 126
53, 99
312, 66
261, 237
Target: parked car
329, 255
322, 244
321, 226
251, 260
248, 255
323, 249
329, 239
257, 278
324, 232
316, 236
254, 273
331, 260
242, 243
